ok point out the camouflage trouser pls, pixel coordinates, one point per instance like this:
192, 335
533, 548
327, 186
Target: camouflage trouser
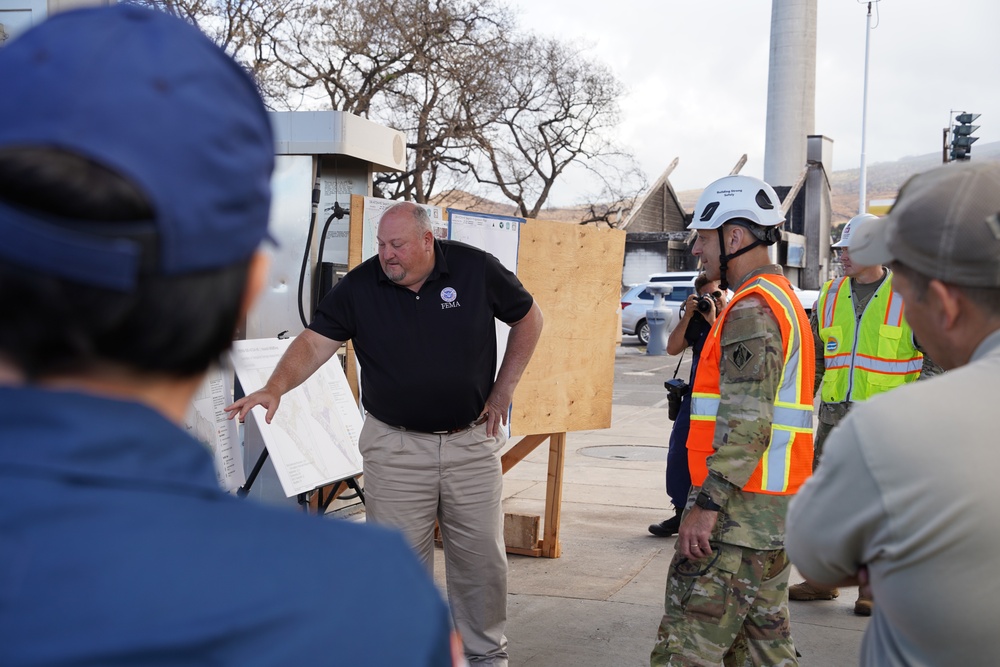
822, 431
730, 608
830, 414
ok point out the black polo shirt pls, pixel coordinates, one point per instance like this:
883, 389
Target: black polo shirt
427, 358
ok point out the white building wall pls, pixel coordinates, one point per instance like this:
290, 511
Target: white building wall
642, 260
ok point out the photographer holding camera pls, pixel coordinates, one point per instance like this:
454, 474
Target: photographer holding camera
697, 315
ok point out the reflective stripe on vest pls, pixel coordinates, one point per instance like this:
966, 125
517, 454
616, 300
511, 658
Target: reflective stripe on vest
787, 461
869, 356
704, 406
894, 313
830, 303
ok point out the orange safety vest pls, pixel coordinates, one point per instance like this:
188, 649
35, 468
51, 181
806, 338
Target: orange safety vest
787, 461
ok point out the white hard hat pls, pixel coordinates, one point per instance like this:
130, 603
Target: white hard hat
737, 196
851, 228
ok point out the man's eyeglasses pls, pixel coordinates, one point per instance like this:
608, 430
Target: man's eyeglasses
717, 294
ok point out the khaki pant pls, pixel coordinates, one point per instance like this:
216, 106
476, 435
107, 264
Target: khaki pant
728, 608
413, 478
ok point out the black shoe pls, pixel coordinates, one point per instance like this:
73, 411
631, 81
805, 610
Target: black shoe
666, 528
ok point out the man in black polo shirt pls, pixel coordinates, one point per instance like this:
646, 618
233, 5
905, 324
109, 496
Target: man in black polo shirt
421, 316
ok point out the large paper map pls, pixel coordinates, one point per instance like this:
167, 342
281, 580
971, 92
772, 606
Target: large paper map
313, 438
208, 422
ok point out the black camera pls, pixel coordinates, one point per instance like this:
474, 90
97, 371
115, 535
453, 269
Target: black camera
705, 304
677, 389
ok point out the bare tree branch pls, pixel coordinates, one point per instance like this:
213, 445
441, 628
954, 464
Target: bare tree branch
482, 105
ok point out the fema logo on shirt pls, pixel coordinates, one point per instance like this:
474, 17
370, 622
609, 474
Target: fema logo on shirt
450, 298
831, 345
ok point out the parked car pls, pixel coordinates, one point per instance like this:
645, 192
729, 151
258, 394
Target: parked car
807, 297
681, 281
638, 299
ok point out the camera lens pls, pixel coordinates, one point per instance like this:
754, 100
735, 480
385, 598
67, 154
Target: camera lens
704, 304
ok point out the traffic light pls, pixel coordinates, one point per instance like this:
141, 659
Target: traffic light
962, 139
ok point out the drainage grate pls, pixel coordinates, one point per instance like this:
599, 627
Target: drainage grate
626, 452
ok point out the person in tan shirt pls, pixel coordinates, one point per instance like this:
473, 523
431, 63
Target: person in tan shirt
904, 501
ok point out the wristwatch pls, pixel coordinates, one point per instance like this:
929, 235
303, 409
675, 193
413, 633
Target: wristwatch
705, 502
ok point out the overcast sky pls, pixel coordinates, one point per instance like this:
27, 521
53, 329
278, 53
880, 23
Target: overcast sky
696, 74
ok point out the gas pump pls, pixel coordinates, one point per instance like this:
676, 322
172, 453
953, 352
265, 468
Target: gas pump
322, 158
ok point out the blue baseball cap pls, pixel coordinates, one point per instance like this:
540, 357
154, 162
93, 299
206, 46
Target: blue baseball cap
151, 98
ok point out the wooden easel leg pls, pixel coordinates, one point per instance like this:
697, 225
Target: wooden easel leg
521, 450
553, 495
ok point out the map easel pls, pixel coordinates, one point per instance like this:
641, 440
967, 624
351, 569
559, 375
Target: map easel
305, 499
334, 492
574, 273
313, 439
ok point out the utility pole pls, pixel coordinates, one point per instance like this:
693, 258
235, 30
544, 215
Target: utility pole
863, 185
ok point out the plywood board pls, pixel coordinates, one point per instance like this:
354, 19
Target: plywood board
357, 230
353, 259
574, 273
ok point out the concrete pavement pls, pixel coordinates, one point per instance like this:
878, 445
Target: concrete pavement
599, 605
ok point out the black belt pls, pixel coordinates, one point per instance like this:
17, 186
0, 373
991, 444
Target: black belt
452, 431
478, 422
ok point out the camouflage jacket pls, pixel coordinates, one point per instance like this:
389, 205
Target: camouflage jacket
743, 424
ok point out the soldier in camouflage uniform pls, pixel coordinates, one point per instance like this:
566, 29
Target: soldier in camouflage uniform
727, 592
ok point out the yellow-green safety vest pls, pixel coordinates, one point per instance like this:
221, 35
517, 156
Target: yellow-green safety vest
869, 356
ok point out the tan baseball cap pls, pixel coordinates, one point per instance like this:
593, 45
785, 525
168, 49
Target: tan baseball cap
945, 224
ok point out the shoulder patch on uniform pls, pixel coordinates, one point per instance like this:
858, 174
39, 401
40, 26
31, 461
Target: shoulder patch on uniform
741, 356
740, 328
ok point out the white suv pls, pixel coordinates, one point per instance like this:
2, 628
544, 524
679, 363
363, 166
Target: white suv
637, 300
682, 282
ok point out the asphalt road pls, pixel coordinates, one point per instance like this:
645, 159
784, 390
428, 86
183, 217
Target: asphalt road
639, 377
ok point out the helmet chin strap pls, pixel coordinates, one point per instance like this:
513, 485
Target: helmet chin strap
724, 258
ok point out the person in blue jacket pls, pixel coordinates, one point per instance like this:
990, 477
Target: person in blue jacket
697, 316
135, 165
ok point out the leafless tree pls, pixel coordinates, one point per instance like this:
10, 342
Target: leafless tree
557, 109
237, 26
420, 66
482, 105
441, 109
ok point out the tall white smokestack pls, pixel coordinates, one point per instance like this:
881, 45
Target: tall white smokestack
791, 89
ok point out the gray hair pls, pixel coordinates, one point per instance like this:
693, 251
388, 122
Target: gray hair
417, 212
